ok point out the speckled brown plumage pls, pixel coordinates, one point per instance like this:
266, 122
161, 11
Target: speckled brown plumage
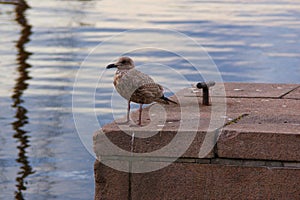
136, 86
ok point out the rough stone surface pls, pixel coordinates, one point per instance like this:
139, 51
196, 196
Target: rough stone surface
271, 131
189, 122
295, 94
249, 90
199, 181
110, 183
258, 90
206, 181
257, 155
237, 143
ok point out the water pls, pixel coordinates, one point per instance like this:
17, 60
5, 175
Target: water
42, 47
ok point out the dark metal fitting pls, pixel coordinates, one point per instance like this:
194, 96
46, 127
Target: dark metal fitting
205, 88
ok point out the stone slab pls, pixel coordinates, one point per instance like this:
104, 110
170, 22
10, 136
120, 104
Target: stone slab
258, 152
264, 145
247, 90
110, 183
162, 144
271, 131
258, 90
206, 181
185, 125
295, 94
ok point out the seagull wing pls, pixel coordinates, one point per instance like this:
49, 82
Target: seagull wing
147, 93
139, 87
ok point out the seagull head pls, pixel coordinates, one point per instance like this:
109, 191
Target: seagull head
122, 63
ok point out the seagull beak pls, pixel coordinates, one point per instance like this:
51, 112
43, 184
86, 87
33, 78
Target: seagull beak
111, 66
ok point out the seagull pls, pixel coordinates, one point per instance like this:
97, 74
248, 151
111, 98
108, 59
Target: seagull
136, 86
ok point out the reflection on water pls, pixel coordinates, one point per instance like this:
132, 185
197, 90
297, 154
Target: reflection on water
21, 112
41, 156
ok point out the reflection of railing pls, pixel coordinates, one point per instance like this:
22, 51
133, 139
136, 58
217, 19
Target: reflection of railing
21, 113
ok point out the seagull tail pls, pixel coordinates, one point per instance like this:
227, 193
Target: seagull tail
165, 100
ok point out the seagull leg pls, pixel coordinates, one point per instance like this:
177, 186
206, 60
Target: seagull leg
139, 124
140, 115
127, 116
128, 111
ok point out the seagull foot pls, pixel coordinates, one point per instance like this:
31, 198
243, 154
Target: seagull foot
123, 123
135, 125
